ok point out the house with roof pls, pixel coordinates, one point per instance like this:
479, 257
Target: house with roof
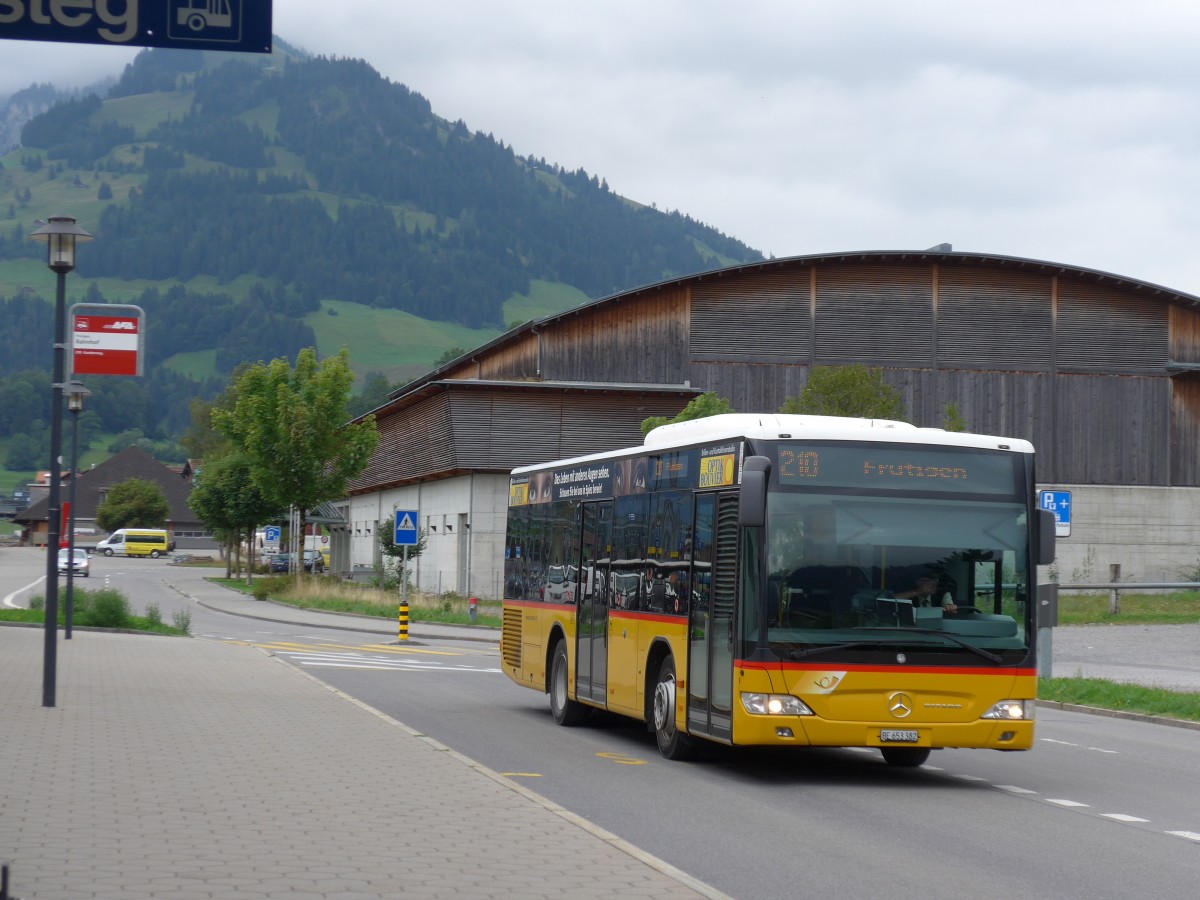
93, 485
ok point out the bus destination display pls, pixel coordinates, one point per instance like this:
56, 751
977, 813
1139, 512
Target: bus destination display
902, 468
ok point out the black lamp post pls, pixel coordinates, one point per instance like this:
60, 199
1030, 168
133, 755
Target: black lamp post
61, 234
75, 394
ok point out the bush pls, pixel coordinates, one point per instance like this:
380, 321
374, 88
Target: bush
105, 608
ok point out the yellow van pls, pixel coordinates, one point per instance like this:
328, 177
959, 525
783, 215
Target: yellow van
152, 542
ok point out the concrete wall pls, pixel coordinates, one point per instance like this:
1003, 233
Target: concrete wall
1152, 532
463, 519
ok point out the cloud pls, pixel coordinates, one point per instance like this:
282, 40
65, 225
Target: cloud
1063, 131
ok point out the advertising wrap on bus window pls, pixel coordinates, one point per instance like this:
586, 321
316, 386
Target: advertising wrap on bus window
589, 482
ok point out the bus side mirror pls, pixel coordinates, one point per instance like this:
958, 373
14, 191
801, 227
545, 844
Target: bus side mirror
1045, 537
752, 502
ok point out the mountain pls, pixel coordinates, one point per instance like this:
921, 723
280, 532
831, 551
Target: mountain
256, 207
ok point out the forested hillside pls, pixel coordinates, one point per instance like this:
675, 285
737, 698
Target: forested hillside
242, 204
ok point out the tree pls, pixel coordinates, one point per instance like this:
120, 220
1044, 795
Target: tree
847, 391
395, 552
26, 452
201, 440
292, 426
449, 356
707, 404
953, 419
135, 503
374, 394
228, 501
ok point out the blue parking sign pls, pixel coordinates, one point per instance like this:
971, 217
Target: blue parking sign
1059, 503
406, 528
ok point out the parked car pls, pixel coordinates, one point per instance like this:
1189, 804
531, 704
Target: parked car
279, 562
314, 561
79, 562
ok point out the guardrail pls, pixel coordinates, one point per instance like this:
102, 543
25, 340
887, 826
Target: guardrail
1115, 585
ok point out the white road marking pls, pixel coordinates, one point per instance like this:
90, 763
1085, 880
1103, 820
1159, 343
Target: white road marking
1068, 803
8, 600
1190, 835
969, 778
1013, 789
1121, 817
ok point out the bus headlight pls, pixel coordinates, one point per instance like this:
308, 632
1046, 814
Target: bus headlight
775, 705
1011, 709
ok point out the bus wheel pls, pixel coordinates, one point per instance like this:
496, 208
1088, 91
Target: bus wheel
565, 710
671, 743
905, 757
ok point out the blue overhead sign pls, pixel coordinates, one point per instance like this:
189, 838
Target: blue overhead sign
406, 528
1059, 503
242, 26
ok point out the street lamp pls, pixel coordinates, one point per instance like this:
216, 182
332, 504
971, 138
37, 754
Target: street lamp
75, 394
60, 234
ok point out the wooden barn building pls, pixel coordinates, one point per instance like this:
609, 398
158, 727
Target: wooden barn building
1100, 372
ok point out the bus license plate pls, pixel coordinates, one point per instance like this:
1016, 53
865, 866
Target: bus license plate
891, 735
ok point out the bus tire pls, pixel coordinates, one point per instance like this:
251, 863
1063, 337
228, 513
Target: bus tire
565, 710
905, 757
672, 743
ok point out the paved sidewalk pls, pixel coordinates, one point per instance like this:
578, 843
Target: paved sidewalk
221, 599
174, 768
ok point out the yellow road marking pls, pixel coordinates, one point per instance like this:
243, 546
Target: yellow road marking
371, 648
621, 759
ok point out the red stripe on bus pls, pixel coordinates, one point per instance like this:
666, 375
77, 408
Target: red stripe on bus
858, 667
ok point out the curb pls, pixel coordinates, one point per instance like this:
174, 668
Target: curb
1120, 714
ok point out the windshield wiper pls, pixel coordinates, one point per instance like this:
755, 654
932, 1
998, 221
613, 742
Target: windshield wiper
826, 648
986, 654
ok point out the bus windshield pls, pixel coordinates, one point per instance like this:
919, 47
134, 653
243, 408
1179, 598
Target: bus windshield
893, 570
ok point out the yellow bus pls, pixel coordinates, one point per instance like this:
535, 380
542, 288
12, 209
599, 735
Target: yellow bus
784, 581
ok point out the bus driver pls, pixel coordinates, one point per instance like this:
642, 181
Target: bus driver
925, 594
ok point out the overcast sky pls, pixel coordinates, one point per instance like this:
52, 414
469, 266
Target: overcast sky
1064, 130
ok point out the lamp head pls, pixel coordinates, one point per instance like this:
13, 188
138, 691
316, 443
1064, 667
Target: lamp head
61, 234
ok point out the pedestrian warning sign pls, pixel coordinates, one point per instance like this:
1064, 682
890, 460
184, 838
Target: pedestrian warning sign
406, 528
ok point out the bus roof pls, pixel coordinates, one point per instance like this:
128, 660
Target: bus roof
776, 426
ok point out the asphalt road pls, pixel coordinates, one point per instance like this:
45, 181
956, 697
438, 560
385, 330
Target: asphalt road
1101, 808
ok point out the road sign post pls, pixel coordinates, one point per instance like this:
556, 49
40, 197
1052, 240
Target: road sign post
404, 535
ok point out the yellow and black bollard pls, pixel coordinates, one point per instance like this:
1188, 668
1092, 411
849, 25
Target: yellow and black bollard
403, 620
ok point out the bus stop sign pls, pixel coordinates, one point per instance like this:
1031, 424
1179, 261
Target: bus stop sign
240, 26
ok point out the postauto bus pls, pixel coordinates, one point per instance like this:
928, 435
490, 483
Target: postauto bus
750, 582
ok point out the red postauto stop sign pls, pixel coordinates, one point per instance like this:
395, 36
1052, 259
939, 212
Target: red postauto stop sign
106, 340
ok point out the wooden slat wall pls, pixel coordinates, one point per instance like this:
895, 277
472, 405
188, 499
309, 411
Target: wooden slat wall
989, 319
1072, 384
1104, 330
877, 315
1184, 327
1112, 430
1185, 429
415, 443
763, 317
639, 340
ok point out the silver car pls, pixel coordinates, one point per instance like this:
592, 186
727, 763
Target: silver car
79, 562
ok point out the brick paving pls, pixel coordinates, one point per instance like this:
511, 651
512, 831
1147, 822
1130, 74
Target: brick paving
175, 768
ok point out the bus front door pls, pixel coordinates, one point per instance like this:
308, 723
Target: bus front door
710, 625
591, 591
